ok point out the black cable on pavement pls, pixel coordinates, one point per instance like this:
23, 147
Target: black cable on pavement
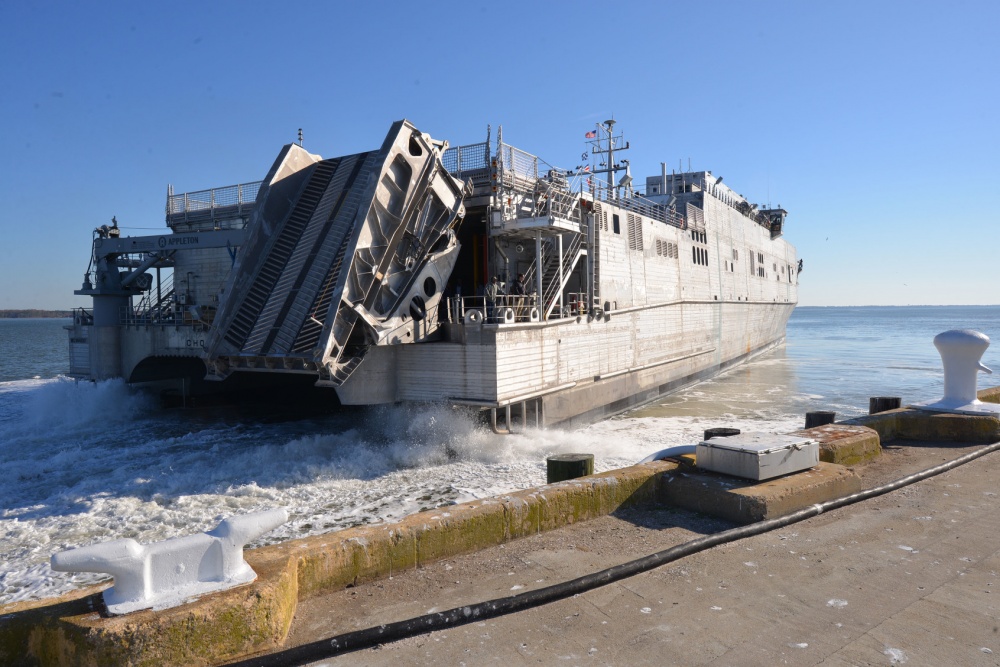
390, 632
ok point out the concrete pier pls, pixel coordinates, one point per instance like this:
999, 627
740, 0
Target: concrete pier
911, 571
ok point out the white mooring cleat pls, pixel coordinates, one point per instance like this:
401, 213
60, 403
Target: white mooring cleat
166, 574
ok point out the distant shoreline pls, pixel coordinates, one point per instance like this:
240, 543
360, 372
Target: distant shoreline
33, 314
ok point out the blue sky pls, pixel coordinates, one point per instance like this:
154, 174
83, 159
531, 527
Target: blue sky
875, 124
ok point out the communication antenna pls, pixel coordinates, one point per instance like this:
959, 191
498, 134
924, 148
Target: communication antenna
300, 137
606, 132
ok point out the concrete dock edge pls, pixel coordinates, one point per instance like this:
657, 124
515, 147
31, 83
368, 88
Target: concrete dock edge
240, 622
224, 626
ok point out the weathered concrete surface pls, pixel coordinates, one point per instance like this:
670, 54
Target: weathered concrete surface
744, 501
844, 444
989, 395
356, 555
909, 424
911, 576
256, 617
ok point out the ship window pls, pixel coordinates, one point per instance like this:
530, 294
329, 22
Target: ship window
430, 286
617, 224
736, 254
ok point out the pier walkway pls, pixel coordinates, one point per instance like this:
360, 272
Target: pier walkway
912, 577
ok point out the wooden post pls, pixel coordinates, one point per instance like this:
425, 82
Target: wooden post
820, 418
878, 404
720, 432
568, 466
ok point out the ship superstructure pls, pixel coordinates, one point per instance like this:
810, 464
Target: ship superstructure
367, 275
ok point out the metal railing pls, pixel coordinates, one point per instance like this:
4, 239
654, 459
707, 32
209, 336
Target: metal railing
238, 199
505, 309
740, 204
517, 163
83, 317
640, 205
156, 305
461, 160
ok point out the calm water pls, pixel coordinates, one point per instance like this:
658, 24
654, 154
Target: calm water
86, 463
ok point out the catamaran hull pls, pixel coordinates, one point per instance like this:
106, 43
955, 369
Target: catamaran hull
578, 370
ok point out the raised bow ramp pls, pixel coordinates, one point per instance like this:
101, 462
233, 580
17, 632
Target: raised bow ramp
343, 254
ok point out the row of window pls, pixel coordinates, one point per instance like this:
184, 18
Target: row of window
668, 249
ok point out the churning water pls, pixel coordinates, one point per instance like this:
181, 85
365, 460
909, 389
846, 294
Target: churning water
93, 462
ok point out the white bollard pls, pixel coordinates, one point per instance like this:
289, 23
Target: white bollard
166, 574
961, 351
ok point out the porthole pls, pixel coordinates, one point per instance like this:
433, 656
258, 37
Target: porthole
430, 286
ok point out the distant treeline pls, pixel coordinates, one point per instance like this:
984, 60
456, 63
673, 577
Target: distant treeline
13, 314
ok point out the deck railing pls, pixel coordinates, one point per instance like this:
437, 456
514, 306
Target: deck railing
640, 205
228, 201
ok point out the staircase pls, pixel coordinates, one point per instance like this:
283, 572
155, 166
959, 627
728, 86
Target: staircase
275, 261
550, 279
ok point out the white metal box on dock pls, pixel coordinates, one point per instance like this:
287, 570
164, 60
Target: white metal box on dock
757, 455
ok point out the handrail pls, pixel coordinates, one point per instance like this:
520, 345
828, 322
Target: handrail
521, 309
640, 205
241, 196
471, 157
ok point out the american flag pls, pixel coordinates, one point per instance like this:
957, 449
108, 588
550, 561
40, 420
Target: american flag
591, 135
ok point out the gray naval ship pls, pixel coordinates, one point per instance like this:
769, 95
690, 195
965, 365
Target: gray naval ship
369, 278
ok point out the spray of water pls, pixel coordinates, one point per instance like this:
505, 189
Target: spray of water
94, 462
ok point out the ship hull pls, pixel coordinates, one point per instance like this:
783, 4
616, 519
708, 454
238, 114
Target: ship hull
577, 370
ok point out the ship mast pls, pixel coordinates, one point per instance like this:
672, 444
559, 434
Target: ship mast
614, 143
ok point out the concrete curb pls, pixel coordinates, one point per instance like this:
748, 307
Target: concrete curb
845, 444
989, 395
745, 501
908, 424
240, 622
